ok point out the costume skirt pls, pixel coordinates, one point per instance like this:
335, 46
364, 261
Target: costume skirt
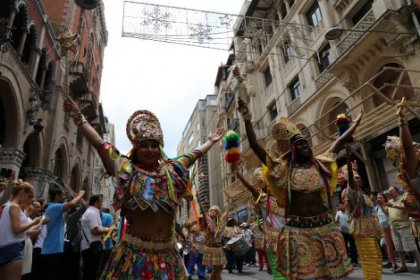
312, 248
135, 258
213, 254
370, 257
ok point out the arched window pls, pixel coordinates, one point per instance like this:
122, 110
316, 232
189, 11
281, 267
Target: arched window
42, 66
387, 82
59, 163
74, 179
30, 44
20, 26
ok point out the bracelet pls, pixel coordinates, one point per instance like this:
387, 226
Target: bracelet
79, 119
247, 117
402, 121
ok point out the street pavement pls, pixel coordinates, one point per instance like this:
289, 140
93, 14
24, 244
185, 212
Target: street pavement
253, 273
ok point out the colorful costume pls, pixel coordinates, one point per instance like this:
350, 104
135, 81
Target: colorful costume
138, 257
213, 250
308, 247
365, 228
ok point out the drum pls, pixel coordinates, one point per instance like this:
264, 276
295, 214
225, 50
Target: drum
238, 245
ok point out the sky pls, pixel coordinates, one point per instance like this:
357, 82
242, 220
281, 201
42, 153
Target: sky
166, 79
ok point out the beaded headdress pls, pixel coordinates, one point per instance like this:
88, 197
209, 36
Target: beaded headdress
144, 125
283, 133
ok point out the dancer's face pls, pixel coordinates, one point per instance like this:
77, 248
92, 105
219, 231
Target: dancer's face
148, 152
303, 151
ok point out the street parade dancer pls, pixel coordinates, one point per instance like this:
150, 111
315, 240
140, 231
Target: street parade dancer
215, 223
364, 224
272, 216
310, 245
151, 188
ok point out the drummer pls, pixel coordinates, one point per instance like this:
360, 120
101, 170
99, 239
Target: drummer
232, 231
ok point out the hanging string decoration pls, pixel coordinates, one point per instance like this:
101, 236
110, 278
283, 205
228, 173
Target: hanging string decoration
202, 28
343, 124
232, 147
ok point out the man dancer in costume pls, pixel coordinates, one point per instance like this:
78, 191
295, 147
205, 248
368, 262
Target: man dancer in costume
364, 225
310, 245
151, 188
266, 207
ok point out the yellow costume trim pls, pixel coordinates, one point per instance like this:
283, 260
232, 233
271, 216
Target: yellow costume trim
370, 257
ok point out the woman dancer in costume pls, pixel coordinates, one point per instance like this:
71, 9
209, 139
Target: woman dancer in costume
213, 250
364, 225
151, 188
310, 245
272, 216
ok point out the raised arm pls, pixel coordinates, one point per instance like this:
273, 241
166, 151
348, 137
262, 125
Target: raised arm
351, 181
73, 203
250, 133
189, 159
411, 162
245, 182
336, 146
90, 133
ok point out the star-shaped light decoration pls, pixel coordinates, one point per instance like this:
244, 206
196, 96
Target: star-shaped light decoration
225, 20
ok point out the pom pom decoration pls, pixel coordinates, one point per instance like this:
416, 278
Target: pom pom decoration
232, 147
343, 124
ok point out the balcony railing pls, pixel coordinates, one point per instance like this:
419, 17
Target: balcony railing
353, 36
294, 106
322, 79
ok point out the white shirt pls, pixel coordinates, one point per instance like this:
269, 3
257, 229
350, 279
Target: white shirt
7, 236
91, 219
40, 240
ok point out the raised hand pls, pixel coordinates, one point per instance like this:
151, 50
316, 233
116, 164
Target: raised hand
359, 116
401, 108
243, 107
216, 136
71, 107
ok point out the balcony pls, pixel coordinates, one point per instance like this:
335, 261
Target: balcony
353, 36
323, 79
293, 106
78, 69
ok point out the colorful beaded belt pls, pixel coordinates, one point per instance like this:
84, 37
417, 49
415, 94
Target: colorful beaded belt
214, 245
148, 245
309, 222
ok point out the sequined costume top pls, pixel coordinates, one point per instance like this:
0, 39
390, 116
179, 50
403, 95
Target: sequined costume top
282, 178
160, 189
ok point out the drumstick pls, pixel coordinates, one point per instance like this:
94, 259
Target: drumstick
399, 109
108, 234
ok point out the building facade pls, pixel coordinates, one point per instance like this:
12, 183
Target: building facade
37, 138
205, 175
102, 183
312, 60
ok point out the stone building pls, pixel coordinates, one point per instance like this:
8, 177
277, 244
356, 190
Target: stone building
102, 183
205, 175
310, 61
37, 138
